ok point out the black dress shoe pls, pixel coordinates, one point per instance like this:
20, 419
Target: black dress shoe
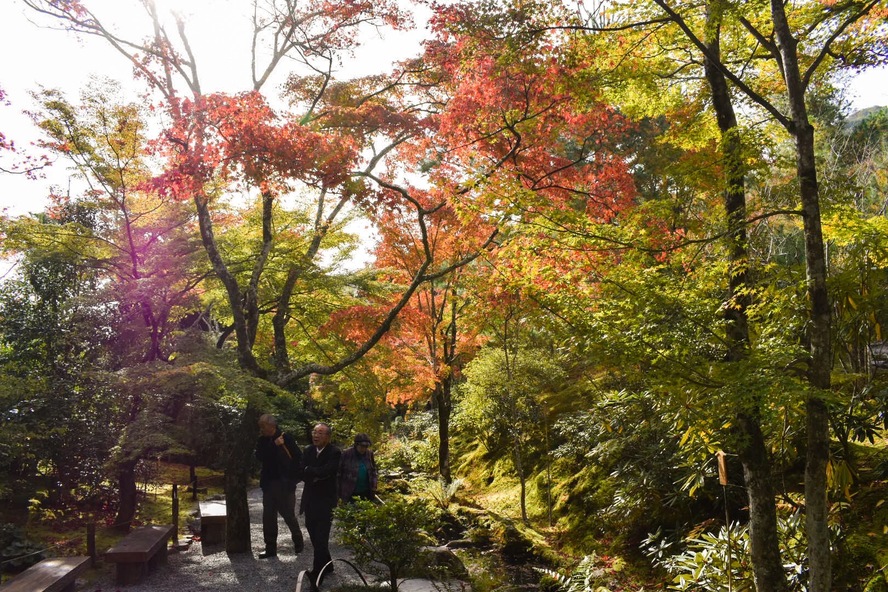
267, 554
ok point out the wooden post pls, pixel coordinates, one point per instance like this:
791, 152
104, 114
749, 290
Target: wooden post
175, 516
722, 468
723, 480
91, 543
192, 475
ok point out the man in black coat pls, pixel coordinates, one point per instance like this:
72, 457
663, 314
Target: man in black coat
319, 495
281, 469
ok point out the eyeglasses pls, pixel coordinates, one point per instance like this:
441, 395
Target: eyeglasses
363, 444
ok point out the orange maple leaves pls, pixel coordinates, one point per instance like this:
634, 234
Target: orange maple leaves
239, 137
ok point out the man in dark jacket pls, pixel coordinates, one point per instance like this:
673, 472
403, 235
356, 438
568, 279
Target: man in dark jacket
281, 467
319, 496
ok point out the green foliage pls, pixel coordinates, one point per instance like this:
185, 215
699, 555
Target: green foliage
385, 538
622, 462
709, 560
441, 493
192, 408
502, 405
861, 547
57, 407
16, 551
17, 454
412, 446
585, 577
501, 402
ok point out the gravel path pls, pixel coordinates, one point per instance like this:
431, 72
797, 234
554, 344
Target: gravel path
199, 567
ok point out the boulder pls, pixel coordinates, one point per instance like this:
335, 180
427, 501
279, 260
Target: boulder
442, 563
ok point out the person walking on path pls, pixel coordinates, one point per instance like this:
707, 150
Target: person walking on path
319, 496
358, 476
281, 470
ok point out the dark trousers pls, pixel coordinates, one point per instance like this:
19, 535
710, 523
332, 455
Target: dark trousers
279, 497
318, 523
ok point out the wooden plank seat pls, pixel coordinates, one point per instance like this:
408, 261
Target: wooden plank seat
140, 552
54, 574
212, 521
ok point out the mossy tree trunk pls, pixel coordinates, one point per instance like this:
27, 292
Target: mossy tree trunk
237, 476
127, 494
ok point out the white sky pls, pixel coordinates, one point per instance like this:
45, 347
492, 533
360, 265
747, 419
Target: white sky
33, 55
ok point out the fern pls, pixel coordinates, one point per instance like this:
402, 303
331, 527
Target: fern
583, 578
440, 492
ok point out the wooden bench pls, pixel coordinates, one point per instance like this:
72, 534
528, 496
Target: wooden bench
212, 521
55, 574
140, 552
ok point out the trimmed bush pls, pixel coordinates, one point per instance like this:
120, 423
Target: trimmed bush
385, 538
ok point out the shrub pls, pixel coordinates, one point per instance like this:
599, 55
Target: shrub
385, 538
16, 551
706, 560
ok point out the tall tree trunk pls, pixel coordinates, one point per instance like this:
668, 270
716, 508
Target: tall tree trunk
816, 502
767, 566
819, 330
522, 479
128, 495
444, 394
444, 407
237, 475
816, 497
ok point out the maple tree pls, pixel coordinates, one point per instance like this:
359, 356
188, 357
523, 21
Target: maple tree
508, 383
511, 139
423, 353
